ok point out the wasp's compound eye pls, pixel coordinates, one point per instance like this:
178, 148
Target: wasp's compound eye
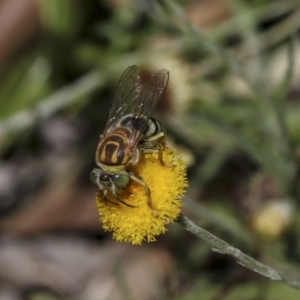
94, 177
120, 180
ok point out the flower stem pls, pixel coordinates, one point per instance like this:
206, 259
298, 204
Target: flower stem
246, 261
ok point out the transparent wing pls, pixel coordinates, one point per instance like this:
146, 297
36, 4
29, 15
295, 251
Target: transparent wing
127, 91
146, 103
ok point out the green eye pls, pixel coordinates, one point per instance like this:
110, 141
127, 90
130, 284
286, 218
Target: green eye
94, 178
120, 181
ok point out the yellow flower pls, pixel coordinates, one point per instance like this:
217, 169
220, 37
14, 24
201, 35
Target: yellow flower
142, 223
273, 219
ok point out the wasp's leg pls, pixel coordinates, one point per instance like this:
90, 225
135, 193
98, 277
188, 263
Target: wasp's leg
105, 198
155, 137
116, 196
115, 192
158, 151
152, 145
140, 180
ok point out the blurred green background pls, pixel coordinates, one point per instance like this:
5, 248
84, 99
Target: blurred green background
231, 109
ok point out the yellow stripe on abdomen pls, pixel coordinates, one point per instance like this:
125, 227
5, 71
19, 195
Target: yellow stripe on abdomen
112, 150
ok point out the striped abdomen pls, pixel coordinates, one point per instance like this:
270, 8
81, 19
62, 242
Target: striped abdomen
113, 150
153, 127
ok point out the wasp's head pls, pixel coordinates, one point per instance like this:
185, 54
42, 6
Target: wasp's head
109, 181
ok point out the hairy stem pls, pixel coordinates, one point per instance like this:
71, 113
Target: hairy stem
248, 262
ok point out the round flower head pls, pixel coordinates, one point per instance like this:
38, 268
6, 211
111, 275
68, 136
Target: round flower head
140, 222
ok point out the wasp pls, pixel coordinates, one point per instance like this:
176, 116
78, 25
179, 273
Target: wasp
130, 132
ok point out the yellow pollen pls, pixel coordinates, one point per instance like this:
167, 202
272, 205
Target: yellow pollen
167, 184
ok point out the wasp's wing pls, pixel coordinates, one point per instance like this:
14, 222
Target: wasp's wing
128, 90
147, 102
